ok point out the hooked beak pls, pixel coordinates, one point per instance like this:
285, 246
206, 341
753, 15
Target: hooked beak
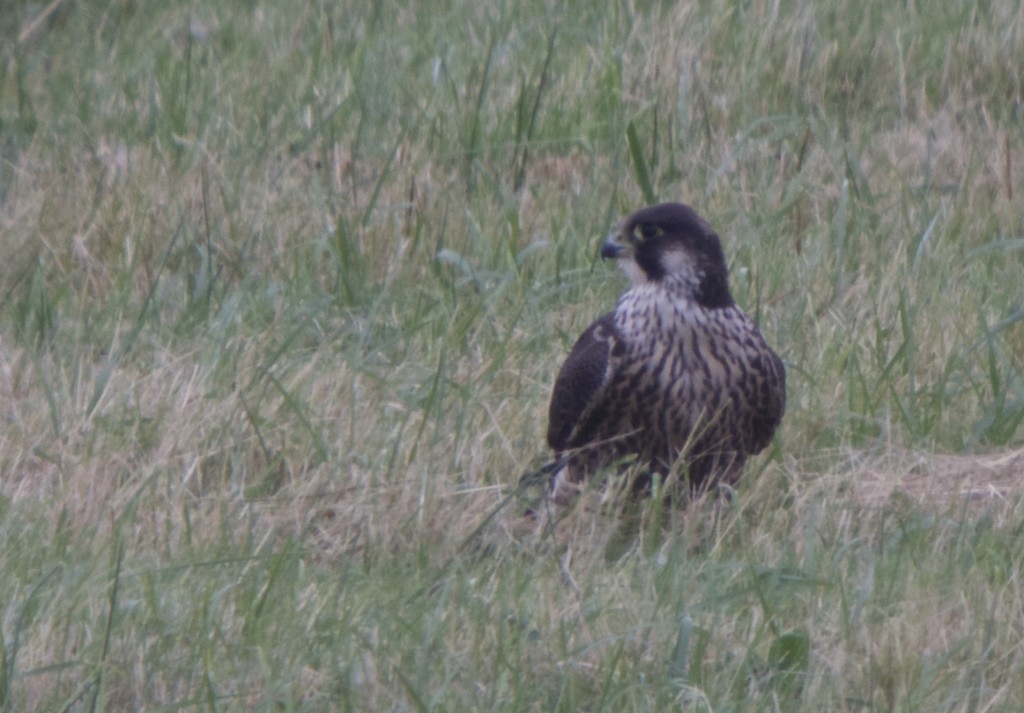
611, 249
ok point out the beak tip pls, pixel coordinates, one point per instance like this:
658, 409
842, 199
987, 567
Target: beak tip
610, 249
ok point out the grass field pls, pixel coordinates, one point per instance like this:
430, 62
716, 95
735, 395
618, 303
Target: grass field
284, 287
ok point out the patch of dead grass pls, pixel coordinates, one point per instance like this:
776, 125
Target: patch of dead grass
932, 480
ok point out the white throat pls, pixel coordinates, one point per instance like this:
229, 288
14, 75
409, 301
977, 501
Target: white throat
636, 276
681, 274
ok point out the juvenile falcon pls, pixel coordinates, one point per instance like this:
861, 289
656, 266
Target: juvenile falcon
677, 375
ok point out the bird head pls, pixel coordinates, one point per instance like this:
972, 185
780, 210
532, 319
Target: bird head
669, 244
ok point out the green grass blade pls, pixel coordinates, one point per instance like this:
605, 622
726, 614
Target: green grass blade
640, 169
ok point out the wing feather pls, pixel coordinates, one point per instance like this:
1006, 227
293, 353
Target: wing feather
582, 384
772, 401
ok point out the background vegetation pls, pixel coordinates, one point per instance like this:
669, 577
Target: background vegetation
285, 286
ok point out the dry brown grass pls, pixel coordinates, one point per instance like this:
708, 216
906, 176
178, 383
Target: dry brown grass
935, 480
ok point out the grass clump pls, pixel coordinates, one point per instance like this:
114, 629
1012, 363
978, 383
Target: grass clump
285, 288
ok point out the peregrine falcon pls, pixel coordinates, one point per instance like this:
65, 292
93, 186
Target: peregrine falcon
677, 376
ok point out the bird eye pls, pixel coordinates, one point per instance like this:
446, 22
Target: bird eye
645, 231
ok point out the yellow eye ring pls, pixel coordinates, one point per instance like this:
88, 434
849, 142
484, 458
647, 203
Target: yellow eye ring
645, 231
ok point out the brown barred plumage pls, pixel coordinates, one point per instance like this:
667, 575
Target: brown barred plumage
677, 374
